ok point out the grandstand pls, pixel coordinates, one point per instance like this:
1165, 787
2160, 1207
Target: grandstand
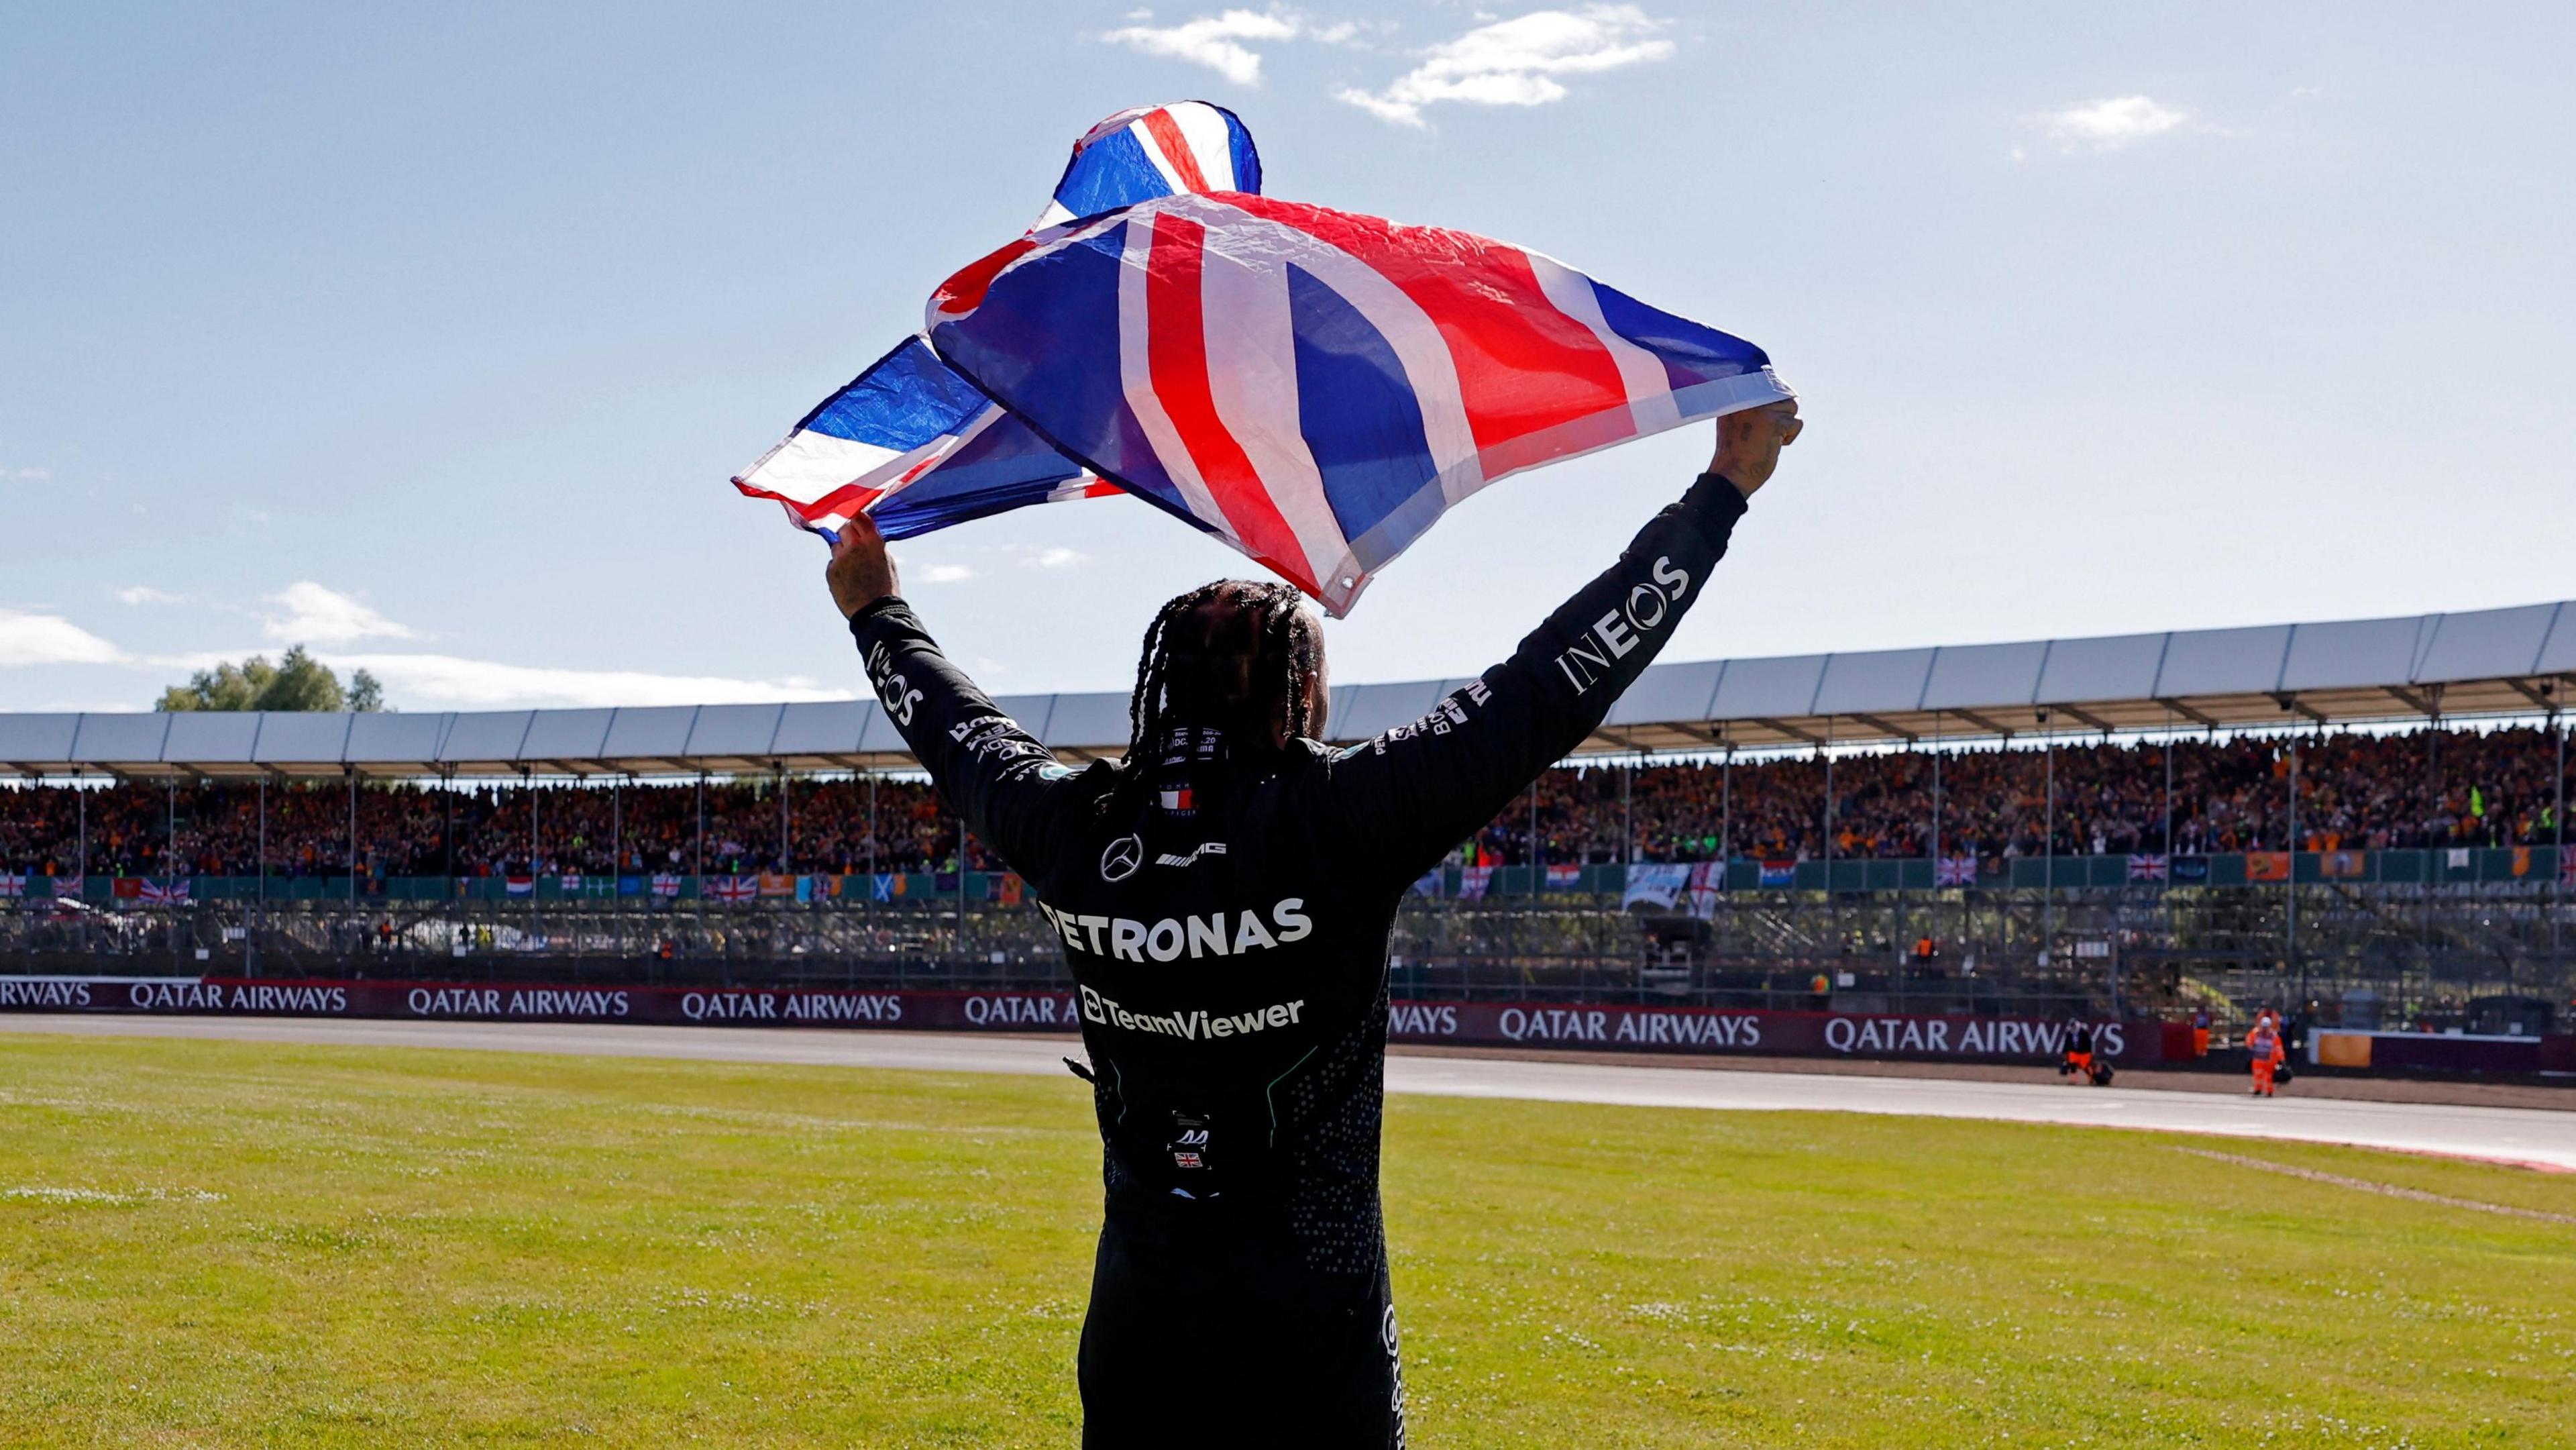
2378, 805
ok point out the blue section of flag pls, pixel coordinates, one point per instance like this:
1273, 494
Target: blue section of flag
903, 400
1355, 409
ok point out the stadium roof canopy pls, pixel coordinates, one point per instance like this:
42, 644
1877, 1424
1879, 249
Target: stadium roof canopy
2485, 663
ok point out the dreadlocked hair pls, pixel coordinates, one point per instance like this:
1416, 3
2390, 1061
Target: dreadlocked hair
1235, 656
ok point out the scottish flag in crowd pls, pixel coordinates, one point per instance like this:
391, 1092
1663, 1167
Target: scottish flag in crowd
915, 446
1317, 387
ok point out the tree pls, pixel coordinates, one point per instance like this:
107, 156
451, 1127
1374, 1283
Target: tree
296, 682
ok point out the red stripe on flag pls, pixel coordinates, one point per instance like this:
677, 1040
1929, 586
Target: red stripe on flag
1176, 354
1176, 148
1522, 365
964, 291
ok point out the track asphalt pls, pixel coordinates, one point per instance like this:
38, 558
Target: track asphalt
2533, 1137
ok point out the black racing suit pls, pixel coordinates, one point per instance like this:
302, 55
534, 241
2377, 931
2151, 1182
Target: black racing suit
1227, 937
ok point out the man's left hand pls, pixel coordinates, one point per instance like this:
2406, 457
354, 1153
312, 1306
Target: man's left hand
861, 571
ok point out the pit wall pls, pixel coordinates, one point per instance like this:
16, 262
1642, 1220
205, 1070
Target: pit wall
1690, 1030
1700, 1031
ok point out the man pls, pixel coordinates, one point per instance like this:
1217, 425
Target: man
2264, 1051
1224, 896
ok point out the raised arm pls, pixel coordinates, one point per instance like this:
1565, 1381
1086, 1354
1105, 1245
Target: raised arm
1411, 794
996, 775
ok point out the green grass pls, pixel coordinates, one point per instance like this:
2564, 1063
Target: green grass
220, 1244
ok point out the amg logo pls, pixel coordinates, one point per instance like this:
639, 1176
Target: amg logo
1616, 634
1205, 848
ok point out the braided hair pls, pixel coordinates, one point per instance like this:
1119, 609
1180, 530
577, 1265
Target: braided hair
1235, 656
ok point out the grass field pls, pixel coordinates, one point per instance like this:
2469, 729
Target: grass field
221, 1244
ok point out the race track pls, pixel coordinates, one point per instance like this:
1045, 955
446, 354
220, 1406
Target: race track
2517, 1135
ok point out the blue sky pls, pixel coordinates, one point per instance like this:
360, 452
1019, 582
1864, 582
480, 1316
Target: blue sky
429, 336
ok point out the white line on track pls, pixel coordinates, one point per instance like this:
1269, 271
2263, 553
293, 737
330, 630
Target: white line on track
2519, 1135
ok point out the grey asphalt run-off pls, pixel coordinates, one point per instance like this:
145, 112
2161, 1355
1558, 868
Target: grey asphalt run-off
2537, 1137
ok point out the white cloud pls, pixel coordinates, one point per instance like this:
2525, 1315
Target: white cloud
2109, 124
50, 639
35, 473
316, 615
1059, 558
446, 681
1516, 62
942, 574
1214, 41
146, 594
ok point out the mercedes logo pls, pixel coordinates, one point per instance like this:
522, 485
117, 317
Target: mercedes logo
1122, 858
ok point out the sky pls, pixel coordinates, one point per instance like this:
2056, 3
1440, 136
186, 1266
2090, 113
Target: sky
429, 336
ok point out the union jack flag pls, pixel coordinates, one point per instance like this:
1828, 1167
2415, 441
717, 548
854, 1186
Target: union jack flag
2150, 867
173, 892
733, 888
1954, 871
1317, 387
915, 446
12, 884
2567, 865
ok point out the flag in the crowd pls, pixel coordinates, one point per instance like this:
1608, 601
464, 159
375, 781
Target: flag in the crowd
1658, 884
1474, 882
2458, 859
571, 883
1954, 871
12, 884
777, 883
520, 885
1317, 387
2522, 860
127, 888
1707, 883
2567, 865
1779, 873
173, 892
2267, 865
885, 886
2345, 864
666, 885
915, 446
731, 888
2191, 868
68, 888
1428, 884
1564, 878
2150, 867
1013, 889
630, 885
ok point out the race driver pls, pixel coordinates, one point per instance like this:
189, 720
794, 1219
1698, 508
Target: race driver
1224, 896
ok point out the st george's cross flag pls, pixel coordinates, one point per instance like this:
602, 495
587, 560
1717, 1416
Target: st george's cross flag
915, 446
1317, 387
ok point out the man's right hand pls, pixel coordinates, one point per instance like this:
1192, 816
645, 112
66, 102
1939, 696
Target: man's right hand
1749, 443
861, 571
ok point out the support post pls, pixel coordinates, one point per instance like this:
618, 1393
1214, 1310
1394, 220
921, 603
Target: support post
2048, 856
2558, 821
259, 910
2290, 882
1936, 797
962, 864
352, 774
783, 819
